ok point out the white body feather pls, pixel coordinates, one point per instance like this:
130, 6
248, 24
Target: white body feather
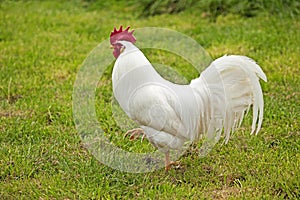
172, 114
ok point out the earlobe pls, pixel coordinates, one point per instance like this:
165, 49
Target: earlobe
122, 49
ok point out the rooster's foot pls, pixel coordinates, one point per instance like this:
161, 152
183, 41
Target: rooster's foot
172, 163
169, 163
135, 133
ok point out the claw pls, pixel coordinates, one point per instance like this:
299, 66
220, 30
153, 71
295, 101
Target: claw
169, 163
135, 133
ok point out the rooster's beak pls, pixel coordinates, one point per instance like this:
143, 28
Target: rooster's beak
111, 46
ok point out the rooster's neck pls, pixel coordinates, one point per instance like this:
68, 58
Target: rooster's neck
130, 60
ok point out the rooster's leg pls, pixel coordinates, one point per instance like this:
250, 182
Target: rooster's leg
168, 163
135, 133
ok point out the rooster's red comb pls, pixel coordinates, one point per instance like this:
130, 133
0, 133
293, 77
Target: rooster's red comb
117, 35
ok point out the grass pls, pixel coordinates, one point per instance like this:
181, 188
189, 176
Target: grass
42, 46
214, 8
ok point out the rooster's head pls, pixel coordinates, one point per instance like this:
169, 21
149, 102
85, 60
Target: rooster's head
120, 35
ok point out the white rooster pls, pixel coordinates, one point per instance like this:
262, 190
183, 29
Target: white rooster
170, 114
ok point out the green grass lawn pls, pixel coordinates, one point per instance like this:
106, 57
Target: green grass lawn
42, 46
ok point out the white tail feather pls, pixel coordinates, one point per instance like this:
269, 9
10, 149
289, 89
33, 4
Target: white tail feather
237, 79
